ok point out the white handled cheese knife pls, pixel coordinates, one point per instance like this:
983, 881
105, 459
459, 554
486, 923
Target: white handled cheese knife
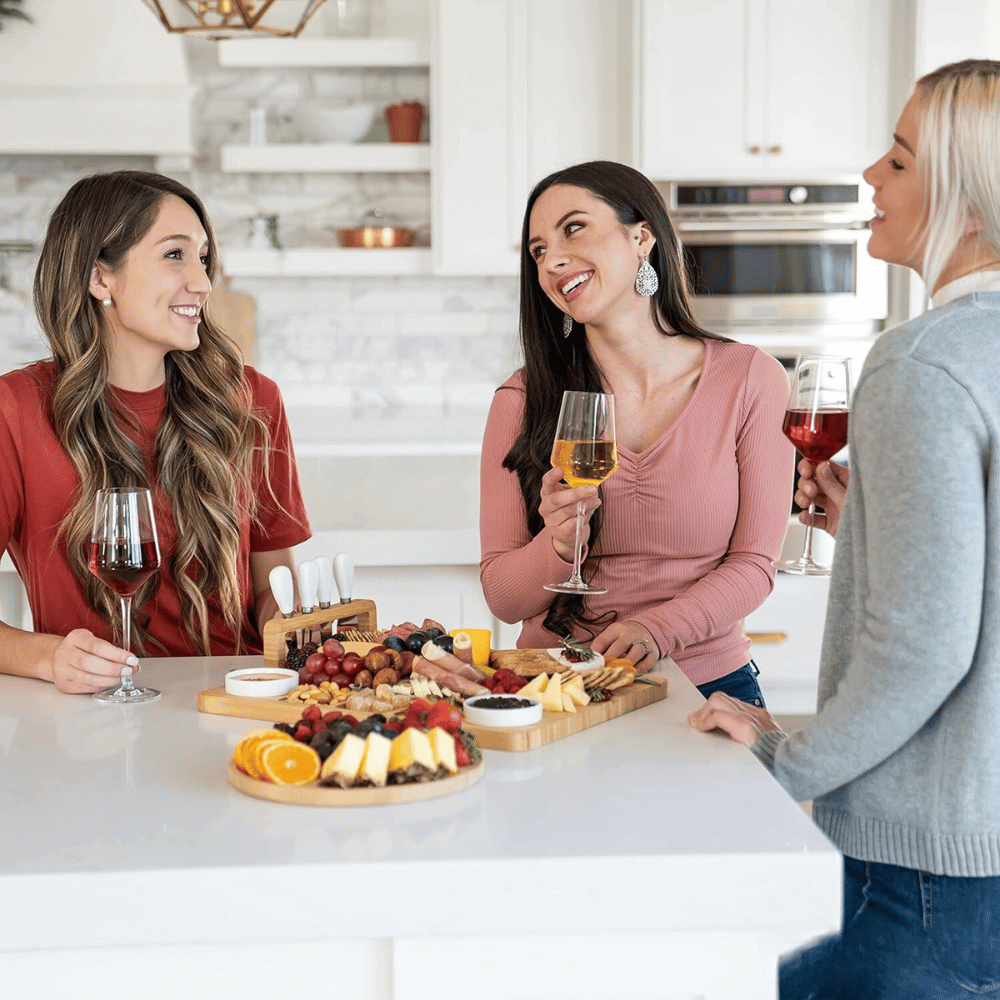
324, 591
283, 589
343, 573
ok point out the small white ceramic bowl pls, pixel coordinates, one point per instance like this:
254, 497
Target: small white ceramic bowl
261, 682
327, 123
502, 718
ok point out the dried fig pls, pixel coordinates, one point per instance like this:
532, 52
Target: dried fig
364, 678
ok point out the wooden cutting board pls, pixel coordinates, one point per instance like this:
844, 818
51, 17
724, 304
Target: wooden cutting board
558, 725
235, 314
323, 795
554, 725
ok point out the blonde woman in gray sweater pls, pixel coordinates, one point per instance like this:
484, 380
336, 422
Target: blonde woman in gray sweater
903, 758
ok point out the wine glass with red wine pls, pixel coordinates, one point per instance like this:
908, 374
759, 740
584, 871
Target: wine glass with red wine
124, 553
816, 423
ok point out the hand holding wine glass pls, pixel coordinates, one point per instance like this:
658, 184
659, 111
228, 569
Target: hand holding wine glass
124, 553
816, 423
585, 449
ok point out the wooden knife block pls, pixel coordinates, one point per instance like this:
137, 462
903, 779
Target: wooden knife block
277, 630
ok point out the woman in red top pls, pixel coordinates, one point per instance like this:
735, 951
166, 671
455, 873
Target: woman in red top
142, 390
683, 535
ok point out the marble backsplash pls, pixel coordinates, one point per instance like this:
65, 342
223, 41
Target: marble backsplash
370, 348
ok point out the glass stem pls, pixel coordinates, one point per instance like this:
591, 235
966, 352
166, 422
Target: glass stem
807, 547
127, 637
578, 545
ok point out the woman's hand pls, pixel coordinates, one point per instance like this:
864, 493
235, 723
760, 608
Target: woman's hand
558, 510
826, 487
628, 639
744, 723
83, 664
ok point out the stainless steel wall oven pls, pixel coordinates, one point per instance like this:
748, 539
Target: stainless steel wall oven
780, 255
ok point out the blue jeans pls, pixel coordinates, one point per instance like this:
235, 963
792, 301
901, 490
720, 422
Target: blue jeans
906, 934
741, 684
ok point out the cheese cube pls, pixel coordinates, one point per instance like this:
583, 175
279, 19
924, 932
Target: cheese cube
343, 764
552, 695
375, 763
443, 748
411, 754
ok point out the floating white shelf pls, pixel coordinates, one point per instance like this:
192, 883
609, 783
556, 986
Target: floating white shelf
344, 52
332, 262
356, 157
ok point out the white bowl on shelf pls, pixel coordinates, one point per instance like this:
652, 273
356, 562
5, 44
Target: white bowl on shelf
329, 123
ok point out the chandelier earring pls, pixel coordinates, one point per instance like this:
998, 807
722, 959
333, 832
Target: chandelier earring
646, 280
567, 324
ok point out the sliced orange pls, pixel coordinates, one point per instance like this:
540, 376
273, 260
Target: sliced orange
244, 755
257, 753
290, 763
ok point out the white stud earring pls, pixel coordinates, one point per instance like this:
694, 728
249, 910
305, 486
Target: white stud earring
106, 303
646, 280
567, 324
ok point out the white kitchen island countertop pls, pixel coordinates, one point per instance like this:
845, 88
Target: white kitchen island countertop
636, 859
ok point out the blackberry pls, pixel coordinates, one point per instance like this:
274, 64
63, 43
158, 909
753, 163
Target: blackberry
296, 659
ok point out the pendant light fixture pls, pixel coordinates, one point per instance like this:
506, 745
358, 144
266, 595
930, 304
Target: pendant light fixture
218, 19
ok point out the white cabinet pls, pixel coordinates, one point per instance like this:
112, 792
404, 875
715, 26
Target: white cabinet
755, 88
518, 89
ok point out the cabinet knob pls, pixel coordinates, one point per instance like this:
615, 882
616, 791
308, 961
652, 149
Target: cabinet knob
775, 149
754, 149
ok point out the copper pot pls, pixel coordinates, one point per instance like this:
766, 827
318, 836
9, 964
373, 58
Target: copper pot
375, 237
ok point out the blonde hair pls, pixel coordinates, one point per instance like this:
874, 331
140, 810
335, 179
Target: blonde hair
958, 155
207, 435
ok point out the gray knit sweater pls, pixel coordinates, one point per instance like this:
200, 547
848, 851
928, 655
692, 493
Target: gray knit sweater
903, 758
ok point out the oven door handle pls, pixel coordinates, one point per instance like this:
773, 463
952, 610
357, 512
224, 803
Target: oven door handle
769, 226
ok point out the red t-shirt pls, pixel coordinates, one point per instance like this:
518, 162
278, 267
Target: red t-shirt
37, 488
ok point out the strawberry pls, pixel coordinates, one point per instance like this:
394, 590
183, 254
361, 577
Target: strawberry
446, 715
466, 748
416, 714
312, 713
332, 716
303, 732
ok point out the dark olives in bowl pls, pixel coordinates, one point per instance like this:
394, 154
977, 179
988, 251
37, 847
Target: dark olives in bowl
432, 632
394, 642
446, 642
415, 641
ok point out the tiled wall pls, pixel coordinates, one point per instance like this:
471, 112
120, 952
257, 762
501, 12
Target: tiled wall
374, 345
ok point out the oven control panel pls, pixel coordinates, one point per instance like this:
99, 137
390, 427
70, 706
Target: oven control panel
748, 195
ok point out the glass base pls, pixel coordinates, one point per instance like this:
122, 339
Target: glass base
802, 567
573, 588
123, 695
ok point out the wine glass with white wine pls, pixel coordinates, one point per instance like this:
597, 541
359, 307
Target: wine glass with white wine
586, 450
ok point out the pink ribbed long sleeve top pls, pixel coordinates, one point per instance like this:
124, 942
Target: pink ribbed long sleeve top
691, 524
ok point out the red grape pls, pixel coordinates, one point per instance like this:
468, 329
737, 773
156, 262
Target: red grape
332, 648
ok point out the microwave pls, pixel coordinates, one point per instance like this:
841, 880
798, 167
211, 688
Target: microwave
782, 256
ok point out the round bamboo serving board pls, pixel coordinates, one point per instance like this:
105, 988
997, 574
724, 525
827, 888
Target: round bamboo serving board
323, 795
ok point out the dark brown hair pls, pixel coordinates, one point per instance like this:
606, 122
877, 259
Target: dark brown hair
554, 364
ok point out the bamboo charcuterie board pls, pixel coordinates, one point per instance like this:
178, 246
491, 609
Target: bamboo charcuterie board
323, 795
558, 725
554, 725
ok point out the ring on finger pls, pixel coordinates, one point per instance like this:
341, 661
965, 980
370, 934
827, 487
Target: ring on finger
641, 642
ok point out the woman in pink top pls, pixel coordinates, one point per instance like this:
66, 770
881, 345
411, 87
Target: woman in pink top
683, 534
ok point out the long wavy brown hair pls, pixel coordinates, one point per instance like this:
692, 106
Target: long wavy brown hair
208, 434
554, 363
